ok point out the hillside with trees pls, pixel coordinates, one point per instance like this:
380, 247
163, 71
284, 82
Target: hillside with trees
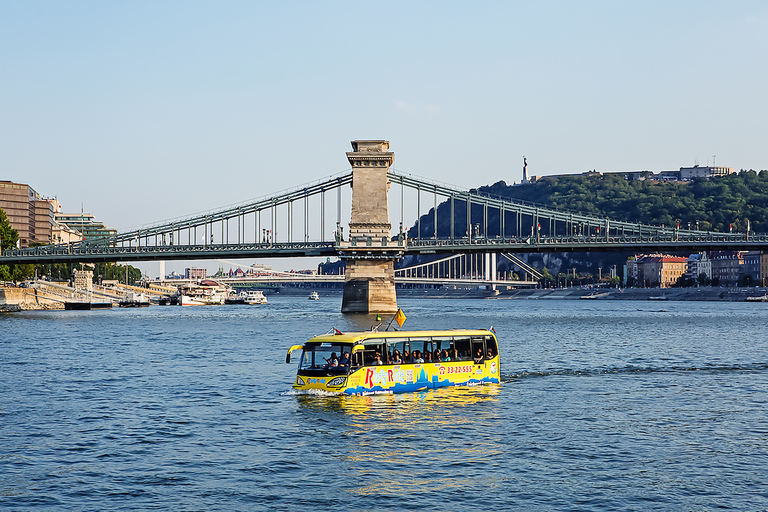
716, 204
711, 204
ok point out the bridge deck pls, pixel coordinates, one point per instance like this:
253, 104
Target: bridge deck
664, 242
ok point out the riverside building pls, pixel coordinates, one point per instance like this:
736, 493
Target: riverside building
86, 224
660, 270
28, 213
682, 174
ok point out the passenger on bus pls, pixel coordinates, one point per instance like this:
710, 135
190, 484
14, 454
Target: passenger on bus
377, 360
479, 356
333, 361
437, 355
490, 353
454, 354
396, 359
344, 360
417, 357
444, 356
406, 356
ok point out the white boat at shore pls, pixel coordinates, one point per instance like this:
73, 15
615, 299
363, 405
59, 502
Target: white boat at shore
255, 297
250, 297
134, 300
206, 292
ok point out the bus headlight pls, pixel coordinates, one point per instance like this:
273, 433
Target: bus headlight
299, 381
338, 381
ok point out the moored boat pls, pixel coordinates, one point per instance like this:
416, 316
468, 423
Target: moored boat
134, 300
206, 292
255, 297
250, 297
314, 296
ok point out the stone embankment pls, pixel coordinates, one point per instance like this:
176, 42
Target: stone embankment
27, 299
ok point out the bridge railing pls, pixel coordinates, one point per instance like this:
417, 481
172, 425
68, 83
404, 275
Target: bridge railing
595, 240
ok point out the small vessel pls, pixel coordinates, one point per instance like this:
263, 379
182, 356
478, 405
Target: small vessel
205, 292
314, 296
134, 300
658, 297
372, 362
255, 297
234, 298
763, 298
250, 297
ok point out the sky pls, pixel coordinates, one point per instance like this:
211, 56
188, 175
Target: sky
140, 112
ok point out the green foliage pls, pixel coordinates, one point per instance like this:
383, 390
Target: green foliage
8, 235
103, 271
9, 238
109, 271
55, 271
715, 203
547, 279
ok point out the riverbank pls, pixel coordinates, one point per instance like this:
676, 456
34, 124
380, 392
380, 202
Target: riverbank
672, 294
26, 299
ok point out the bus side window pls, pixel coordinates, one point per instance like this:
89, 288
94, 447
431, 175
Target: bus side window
491, 350
368, 357
420, 344
399, 346
464, 348
369, 354
478, 350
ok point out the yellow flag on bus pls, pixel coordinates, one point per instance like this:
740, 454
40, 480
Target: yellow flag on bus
400, 317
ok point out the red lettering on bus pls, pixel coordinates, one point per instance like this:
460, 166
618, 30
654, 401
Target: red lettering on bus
369, 378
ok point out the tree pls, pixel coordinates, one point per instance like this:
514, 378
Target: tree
547, 280
8, 239
8, 235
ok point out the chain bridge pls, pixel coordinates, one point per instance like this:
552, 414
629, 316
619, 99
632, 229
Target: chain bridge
310, 221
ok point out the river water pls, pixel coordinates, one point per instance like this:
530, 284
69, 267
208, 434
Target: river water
604, 405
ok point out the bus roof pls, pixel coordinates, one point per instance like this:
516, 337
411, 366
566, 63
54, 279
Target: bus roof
361, 337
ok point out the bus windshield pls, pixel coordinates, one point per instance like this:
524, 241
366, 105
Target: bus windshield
325, 356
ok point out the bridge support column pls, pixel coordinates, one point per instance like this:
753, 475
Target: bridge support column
369, 281
369, 287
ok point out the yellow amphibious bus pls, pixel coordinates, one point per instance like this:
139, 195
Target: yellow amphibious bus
364, 363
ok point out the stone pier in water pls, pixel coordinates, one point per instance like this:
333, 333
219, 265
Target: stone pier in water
369, 282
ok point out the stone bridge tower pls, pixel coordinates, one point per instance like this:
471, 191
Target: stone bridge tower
369, 281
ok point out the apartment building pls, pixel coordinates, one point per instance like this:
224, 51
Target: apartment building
27, 212
660, 270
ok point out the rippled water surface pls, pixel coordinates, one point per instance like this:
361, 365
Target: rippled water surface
604, 405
